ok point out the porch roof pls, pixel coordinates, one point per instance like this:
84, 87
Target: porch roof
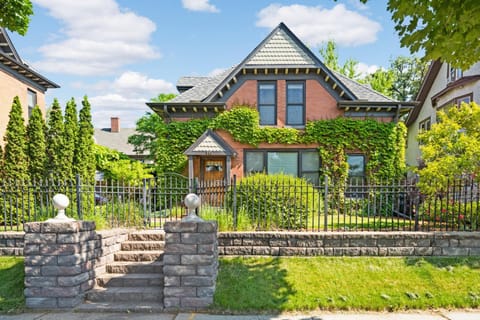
210, 144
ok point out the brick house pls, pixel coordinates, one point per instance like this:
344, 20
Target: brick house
18, 79
289, 86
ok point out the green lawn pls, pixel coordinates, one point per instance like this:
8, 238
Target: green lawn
366, 283
11, 284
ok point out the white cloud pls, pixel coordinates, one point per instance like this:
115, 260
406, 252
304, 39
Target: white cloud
316, 25
125, 99
97, 37
199, 5
364, 69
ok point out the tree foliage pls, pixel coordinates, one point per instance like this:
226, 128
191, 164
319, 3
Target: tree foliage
329, 55
84, 157
451, 149
382, 81
408, 74
15, 15
36, 146
70, 135
16, 161
445, 29
55, 143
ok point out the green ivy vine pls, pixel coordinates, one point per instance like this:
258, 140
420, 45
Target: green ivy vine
383, 144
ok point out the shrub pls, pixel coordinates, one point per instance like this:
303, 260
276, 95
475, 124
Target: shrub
225, 219
277, 201
456, 215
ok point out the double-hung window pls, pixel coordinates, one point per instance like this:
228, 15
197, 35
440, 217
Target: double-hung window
267, 103
295, 103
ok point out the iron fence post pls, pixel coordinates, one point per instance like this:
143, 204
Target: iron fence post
325, 204
79, 196
234, 201
144, 200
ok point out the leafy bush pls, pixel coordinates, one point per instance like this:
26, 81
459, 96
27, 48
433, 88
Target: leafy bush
455, 215
277, 201
225, 219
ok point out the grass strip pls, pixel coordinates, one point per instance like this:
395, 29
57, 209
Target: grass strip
11, 284
347, 283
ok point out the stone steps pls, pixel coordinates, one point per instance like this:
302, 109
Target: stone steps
135, 267
126, 294
121, 307
143, 245
130, 280
150, 255
134, 281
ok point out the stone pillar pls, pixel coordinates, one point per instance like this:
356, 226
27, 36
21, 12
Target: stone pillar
190, 265
58, 263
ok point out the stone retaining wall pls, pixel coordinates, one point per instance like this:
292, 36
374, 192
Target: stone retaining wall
349, 243
11, 243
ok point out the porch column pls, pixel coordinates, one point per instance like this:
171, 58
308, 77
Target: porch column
190, 168
228, 165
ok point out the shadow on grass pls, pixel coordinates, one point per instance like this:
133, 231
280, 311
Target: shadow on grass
445, 262
250, 284
12, 276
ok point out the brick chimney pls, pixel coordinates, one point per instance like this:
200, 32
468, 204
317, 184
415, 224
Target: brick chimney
114, 124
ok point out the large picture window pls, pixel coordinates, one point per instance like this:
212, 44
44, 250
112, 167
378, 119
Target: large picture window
267, 103
299, 163
295, 103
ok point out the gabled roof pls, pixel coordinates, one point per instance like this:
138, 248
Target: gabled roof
11, 60
432, 72
280, 52
116, 140
210, 143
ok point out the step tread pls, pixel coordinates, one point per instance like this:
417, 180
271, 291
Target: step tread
130, 275
125, 294
124, 307
154, 289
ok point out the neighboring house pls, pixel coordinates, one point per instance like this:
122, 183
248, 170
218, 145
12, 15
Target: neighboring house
442, 87
289, 86
18, 79
116, 138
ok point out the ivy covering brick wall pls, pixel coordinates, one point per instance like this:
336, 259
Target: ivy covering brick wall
383, 144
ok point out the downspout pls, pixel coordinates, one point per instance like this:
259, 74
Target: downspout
397, 115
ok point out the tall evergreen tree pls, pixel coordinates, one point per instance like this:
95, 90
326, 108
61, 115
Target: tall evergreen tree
70, 135
1, 163
55, 143
36, 147
15, 159
84, 155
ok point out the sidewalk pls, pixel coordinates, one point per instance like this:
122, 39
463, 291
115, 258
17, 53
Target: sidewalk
413, 315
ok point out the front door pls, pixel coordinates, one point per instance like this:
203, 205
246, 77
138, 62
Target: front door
213, 169
212, 187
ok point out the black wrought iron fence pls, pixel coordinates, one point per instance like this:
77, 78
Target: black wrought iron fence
256, 204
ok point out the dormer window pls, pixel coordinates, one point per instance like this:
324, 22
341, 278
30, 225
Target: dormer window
267, 103
453, 74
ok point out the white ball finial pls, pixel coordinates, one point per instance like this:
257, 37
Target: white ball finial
60, 202
192, 202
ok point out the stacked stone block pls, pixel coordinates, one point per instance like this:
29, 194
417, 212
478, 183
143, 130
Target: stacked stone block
190, 265
59, 262
349, 243
11, 244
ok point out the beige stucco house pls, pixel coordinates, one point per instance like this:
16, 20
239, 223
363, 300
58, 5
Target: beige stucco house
18, 79
442, 87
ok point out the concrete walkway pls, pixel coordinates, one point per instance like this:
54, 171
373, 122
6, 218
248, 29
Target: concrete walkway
413, 315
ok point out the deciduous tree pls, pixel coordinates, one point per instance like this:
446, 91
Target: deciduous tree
15, 15
451, 149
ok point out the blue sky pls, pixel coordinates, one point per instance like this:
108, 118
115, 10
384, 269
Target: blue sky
121, 53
